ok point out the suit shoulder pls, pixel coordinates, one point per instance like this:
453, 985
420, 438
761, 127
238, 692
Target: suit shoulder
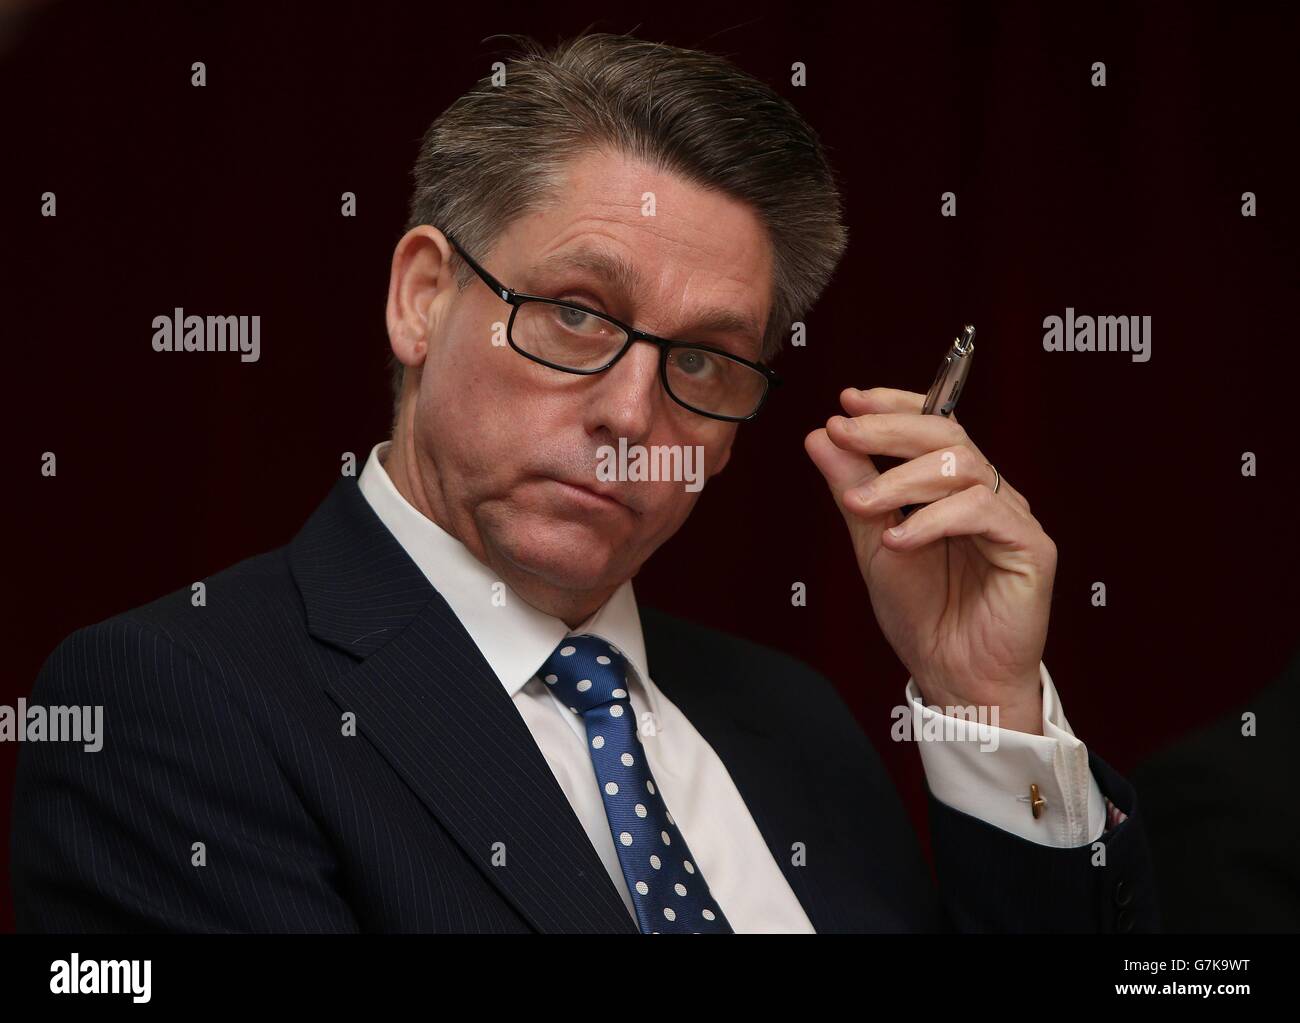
257, 593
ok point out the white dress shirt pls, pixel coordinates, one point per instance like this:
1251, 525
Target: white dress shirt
516, 638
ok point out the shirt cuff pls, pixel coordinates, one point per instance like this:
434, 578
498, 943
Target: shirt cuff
986, 772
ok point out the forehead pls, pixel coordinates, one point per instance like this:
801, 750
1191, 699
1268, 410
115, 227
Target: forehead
677, 256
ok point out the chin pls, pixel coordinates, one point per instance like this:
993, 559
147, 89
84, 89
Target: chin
567, 554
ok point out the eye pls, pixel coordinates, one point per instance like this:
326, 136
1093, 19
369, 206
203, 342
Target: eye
573, 318
694, 363
575, 321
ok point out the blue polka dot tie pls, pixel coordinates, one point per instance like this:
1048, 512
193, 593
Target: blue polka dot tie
668, 891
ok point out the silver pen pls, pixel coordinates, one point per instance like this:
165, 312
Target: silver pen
948, 384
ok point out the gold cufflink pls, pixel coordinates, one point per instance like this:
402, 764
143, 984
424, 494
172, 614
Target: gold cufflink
1036, 802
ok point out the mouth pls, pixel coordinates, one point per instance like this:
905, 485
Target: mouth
596, 498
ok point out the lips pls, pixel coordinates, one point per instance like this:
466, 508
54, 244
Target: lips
604, 494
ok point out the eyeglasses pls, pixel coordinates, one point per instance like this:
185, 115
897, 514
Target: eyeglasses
574, 339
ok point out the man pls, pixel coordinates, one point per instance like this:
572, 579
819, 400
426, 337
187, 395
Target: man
440, 708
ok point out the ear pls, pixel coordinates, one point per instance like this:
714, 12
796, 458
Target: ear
420, 273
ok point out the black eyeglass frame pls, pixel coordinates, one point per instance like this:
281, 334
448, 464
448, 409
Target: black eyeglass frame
518, 298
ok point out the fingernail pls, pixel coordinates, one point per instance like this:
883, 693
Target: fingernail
897, 532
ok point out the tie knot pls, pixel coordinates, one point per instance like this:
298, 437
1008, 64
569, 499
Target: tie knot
586, 672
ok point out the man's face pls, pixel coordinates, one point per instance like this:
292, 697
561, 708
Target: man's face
505, 450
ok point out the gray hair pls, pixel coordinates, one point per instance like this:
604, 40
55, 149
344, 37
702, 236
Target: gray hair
498, 152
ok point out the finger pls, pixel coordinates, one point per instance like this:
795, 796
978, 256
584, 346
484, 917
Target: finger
1012, 494
882, 399
897, 434
1003, 535
842, 469
929, 477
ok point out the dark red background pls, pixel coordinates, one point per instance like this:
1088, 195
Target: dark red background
1116, 201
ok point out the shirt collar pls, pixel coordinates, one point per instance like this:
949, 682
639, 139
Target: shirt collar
514, 637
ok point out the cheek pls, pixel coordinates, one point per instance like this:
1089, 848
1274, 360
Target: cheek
713, 439
466, 379
487, 410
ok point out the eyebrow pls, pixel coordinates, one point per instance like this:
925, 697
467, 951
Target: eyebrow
623, 276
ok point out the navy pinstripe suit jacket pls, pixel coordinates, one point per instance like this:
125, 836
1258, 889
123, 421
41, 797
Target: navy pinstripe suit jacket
223, 726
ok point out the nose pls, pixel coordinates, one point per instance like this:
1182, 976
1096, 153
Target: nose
624, 399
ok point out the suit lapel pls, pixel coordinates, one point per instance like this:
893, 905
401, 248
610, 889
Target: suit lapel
434, 709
